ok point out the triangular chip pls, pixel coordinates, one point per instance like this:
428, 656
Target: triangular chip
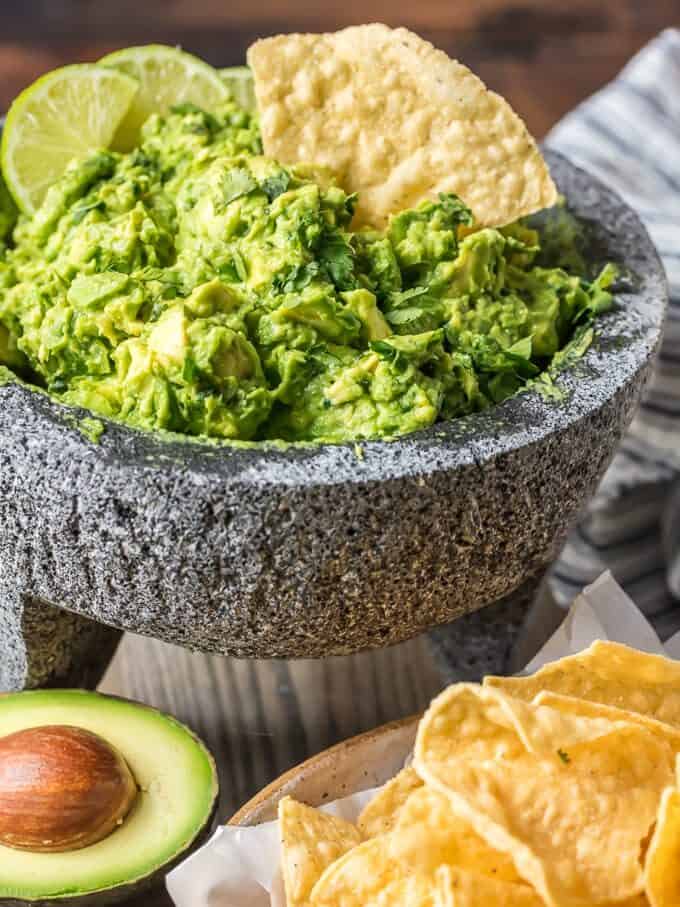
381, 813
560, 793
662, 865
573, 705
428, 834
611, 674
310, 841
447, 839
398, 121
461, 888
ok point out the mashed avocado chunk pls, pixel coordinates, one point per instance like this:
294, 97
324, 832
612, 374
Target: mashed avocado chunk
196, 286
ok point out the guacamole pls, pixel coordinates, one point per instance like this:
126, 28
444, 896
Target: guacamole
196, 286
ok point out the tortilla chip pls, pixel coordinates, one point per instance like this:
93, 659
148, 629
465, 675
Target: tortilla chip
575, 706
398, 121
662, 865
380, 815
611, 674
310, 841
462, 888
559, 793
411, 890
428, 835
448, 839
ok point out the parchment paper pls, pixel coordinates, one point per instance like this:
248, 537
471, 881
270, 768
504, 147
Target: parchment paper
239, 867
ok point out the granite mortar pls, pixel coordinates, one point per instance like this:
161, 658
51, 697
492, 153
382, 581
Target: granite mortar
314, 551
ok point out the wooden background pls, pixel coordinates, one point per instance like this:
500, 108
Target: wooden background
545, 56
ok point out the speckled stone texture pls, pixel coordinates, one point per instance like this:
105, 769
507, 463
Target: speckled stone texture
480, 643
316, 551
44, 646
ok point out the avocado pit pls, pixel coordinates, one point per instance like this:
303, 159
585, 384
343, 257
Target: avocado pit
62, 788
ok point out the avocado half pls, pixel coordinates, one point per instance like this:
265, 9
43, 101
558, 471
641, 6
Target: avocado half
173, 810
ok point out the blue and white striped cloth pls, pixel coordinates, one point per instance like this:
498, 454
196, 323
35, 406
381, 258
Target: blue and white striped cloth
628, 134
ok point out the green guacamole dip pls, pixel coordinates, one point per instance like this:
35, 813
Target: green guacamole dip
196, 286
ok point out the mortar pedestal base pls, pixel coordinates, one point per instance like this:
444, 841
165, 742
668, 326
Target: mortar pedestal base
44, 646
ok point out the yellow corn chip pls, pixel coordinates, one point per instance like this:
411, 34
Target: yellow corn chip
427, 816
380, 815
398, 121
561, 794
310, 841
611, 674
589, 709
412, 891
427, 835
364, 874
460, 888
662, 865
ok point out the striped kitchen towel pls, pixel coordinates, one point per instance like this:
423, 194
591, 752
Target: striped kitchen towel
628, 134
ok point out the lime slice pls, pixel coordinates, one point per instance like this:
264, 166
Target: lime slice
239, 81
166, 76
67, 113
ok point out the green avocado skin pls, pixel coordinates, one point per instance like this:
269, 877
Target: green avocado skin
195, 286
173, 814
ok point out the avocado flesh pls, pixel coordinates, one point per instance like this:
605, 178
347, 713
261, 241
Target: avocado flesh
195, 286
178, 791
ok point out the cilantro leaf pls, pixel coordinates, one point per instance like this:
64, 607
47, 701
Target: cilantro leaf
405, 316
337, 257
190, 370
396, 300
297, 278
455, 210
386, 350
416, 319
273, 186
237, 183
390, 353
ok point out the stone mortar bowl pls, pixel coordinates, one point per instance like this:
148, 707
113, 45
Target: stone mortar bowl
312, 551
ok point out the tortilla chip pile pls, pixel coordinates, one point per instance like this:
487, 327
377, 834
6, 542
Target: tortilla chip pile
397, 121
559, 789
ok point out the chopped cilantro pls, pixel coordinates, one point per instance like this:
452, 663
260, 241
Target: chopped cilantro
190, 370
299, 277
337, 257
273, 186
237, 183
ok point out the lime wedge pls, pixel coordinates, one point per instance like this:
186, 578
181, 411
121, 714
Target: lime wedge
166, 76
239, 81
67, 113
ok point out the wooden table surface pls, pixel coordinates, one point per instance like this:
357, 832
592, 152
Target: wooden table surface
259, 718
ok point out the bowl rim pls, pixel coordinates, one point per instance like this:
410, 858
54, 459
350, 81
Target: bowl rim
626, 339
280, 786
